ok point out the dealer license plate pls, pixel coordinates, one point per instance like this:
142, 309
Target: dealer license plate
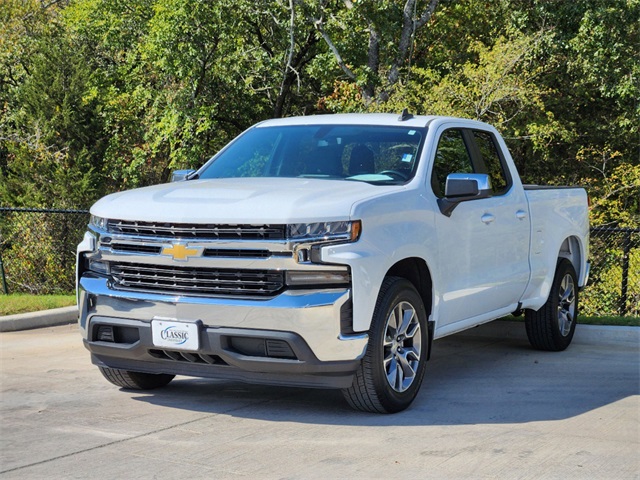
175, 335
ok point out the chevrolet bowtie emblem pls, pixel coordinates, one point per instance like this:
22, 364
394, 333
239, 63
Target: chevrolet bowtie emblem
181, 252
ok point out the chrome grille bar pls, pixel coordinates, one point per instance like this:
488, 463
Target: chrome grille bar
200, 231
135, 248
197, 281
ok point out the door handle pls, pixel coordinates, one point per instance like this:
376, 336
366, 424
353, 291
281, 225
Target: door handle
487, 218
521, 214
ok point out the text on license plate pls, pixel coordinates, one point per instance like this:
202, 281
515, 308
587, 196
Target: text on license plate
178, 335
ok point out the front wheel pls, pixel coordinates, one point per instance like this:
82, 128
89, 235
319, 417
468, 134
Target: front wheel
552, 327
392, 369
135, 380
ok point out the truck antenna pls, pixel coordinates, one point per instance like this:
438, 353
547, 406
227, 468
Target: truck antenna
405, 115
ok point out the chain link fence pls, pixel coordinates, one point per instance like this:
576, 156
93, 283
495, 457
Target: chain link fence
614, 283
38, 249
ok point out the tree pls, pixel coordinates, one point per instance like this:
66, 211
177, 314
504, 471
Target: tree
51, 134
384, 35
101, 95
177, 80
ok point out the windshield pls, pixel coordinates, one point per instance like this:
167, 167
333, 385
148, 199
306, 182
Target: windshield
368, 153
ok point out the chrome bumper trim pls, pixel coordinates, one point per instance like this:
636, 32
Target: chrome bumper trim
313, 315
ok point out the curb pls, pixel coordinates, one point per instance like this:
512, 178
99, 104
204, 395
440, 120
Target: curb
44, 318
585, 334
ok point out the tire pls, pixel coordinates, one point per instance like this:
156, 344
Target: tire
135, 380
552, 327
392, 369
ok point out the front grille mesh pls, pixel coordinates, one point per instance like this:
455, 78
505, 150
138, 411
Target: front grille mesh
189, 230
197, 281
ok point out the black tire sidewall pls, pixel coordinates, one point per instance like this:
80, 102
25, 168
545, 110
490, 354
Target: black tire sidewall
543, 328
135, 380
398, 290
564, 267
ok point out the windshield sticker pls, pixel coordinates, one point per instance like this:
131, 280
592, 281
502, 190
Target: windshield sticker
407, 157
411, 132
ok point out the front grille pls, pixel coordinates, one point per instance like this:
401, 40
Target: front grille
202, 358
197, 281
192, 230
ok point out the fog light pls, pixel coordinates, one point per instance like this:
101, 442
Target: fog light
105, 333
279, 349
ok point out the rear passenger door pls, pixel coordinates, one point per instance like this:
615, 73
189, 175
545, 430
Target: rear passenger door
484, 244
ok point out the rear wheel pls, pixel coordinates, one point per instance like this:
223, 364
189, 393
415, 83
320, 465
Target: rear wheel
552, 327
393, 367
135, 380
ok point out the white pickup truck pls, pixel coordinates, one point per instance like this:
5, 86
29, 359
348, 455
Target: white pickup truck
329, 251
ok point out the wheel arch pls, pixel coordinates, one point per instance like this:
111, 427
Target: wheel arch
573, 250
416, 271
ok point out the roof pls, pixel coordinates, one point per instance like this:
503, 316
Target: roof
386, 119
389, 119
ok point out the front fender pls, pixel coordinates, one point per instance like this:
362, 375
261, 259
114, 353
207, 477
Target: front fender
394, 228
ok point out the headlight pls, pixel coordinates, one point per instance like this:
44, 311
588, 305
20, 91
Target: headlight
331, 231
98, 222
317, 278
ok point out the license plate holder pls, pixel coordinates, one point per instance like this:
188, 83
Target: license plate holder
175, 335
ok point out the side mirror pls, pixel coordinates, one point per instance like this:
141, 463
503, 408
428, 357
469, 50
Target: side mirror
462, 187
181, 175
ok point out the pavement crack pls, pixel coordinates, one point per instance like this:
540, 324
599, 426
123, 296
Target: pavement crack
136, 437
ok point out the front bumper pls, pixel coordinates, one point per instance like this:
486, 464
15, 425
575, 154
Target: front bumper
305, 323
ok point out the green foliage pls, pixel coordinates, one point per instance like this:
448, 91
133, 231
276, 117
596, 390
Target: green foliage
559, 79
177, 80
102, 95
496, 87
614, 187
50, 132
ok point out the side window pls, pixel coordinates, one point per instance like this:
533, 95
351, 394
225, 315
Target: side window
452, 156
491, 159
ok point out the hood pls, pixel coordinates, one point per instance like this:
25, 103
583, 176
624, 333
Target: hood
240, 200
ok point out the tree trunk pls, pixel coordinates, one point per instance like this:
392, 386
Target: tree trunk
374, 60
409, 27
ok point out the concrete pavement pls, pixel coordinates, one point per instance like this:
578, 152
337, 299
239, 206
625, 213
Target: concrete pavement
490, 407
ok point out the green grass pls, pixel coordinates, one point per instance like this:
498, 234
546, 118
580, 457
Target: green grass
599, 320
23, 302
